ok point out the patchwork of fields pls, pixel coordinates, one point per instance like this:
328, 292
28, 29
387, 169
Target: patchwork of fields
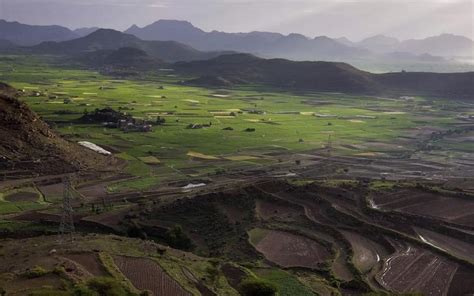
248, 126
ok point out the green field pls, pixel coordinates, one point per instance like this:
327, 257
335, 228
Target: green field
288, 121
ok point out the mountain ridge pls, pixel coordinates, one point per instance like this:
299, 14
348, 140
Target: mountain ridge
266, 43
109, 39
28, 35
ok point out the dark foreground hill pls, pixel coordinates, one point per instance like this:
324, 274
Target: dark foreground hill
326, 76
106, 39
28, 142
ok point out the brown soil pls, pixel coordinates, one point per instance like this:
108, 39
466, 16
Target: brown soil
290, 250
22, 196
462, 283
367, 253
21, 286
428, 204
52, 191
89, 261
145, 274
233, 275
268, 210
415, 270
451, 245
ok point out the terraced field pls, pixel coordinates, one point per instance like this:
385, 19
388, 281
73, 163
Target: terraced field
454, 210
147, 275
290, 250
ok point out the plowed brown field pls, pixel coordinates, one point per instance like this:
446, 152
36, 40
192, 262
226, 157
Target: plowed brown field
290, 250
145, 274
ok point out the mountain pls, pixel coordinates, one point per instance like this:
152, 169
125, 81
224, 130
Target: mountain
125, 58
265, 44
246, 68
326, 76
27, 35
298, 47
33, 146
168, 30
345, 41
107, 39
379, 44
81, 32
6, 44
442, 45
445, 45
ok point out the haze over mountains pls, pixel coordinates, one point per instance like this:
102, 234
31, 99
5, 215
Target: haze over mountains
108, 39
297, 46
27, 35
265, 44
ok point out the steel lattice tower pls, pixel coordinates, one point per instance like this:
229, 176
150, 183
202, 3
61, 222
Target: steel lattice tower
66, 226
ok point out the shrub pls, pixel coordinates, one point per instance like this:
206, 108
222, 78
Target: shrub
35, 272
83, 291
176, 238
106, 287
255, 287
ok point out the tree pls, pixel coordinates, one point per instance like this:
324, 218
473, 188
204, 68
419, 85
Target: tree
255, 287
160, 120
176, 238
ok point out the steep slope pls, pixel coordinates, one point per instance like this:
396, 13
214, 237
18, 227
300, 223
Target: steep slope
327, 76
33, 146
27, 35
107, 39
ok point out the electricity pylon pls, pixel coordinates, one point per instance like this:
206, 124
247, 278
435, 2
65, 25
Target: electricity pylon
66, 226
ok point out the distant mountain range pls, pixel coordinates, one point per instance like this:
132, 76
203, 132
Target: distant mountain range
447, 45
82, 32
27, 35
299, 47
107, 39
264, 44
172, 41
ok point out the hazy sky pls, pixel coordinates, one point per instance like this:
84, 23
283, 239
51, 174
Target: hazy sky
355, 19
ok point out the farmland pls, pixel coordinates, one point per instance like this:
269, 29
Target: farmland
309, 192
284, 122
